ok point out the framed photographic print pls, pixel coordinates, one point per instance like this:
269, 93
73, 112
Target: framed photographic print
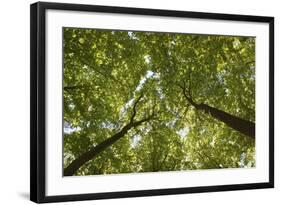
129, 102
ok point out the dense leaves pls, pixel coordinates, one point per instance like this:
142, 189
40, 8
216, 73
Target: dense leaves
105, 72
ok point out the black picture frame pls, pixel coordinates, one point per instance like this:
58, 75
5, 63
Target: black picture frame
38, 101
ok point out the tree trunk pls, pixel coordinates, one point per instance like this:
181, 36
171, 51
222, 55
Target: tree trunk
94, 151
243, 126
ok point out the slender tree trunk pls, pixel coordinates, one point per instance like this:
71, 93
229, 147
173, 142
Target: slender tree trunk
243, 126
94, 151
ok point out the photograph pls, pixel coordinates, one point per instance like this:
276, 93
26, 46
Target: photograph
140, 102
134, 102
144, 101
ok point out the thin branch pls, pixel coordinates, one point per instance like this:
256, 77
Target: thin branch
135, 107
73, 87
189, 99
189, 85
163, 161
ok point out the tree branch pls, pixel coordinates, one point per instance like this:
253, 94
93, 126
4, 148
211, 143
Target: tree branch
188, 98
243, 126
135, 107
94, 151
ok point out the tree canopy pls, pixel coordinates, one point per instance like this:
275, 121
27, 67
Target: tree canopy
147, 101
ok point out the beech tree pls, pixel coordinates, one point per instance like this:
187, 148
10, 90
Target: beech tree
147, 101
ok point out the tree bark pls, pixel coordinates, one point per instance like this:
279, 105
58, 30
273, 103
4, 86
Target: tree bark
243, 126
94, 151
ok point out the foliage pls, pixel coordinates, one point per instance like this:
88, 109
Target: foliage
106, 71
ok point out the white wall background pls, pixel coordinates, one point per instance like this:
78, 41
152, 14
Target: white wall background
14, 100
